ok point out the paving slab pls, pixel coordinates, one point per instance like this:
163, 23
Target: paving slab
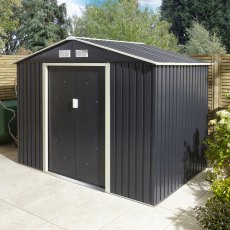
12, 217
184, 222
31, 199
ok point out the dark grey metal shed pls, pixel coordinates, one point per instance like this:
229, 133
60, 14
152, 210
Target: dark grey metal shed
123, 116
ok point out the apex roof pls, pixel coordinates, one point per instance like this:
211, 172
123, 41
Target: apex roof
135, 50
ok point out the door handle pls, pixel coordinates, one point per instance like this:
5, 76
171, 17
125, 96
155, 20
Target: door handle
75, 103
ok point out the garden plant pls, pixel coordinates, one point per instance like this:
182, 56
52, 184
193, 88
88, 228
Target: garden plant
216, 212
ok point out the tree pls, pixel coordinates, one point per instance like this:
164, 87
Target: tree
124, 20
43, 22
201, 42
8, 23
213, 14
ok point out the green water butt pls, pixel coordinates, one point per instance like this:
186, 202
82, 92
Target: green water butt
5, 117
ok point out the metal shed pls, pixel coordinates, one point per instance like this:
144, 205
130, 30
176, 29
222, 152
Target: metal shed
123, 116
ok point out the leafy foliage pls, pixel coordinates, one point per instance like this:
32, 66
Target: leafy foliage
221, 190
8, 22
42, 22
215, 215
202, 42
124, 20
218, 152
213, 14
216, 212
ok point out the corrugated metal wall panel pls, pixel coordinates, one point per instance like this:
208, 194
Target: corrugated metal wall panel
32, 111
24, 116
153, 181
30, 114
160, 119
147, 113
118, 129
139, 132
132, 130
181, 124
125, 129
20, 84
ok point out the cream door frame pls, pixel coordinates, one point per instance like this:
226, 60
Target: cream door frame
45, 121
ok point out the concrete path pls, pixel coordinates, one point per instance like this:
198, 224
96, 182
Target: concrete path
31, 199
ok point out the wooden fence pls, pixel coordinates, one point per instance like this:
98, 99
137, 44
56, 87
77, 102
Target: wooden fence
218, 81
8, 76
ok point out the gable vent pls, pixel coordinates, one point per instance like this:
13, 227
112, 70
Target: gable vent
81, 53
64, 54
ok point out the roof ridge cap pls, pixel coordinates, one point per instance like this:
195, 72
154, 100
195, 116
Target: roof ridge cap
98, 39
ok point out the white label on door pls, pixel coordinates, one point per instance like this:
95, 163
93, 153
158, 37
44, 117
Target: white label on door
75, 103
81, 53
64, 54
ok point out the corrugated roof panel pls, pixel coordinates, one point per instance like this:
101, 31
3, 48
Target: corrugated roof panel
147, 52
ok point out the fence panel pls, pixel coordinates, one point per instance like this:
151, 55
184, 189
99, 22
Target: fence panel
8, 74
209, 59
225, 79
219, 81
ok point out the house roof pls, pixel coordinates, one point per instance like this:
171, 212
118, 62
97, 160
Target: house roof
135, 50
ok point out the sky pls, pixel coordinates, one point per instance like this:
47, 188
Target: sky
75, 7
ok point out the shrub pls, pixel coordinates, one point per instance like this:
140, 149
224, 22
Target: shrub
201, 41
218, 143
221, 190
215, 215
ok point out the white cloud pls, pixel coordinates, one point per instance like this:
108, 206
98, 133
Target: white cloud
151, 3
73, 8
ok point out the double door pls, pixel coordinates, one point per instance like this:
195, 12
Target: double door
77, 123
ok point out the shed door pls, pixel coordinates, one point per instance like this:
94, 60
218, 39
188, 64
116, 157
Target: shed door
77, 135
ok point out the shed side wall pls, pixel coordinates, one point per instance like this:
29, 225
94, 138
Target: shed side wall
159, 118
181, 117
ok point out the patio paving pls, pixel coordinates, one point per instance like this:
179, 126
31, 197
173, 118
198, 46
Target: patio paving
31, 199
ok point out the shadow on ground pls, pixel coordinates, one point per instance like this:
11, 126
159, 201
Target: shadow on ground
9, 151
197, 191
